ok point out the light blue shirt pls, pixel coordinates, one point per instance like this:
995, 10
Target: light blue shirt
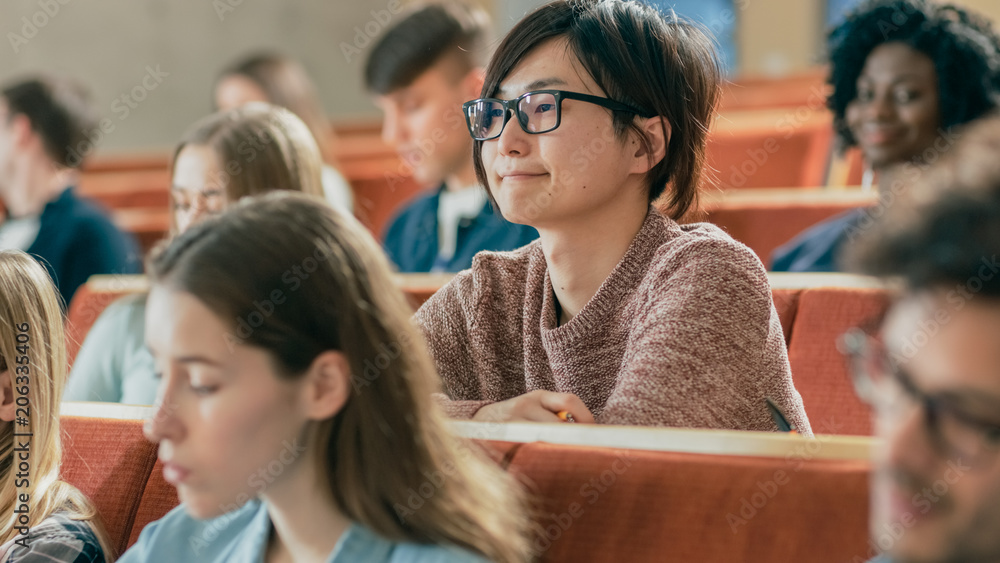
114, 365
241, 536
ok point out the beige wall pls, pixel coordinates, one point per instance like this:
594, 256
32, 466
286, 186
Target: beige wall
110, 45
781, 36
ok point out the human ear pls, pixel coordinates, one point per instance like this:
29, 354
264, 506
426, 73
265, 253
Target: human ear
473, 83
327, 385
657, 131
20, 127
7, 406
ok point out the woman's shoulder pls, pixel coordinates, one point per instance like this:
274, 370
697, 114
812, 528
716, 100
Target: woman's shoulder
496, 273
700, 246
361, 544
58, 538
125, 313
184, 537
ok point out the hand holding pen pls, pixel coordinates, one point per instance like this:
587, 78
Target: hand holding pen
538, 406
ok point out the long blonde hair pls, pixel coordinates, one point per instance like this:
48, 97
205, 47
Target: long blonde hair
389, 443
31, 328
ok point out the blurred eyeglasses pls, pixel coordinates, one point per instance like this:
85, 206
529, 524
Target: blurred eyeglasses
882, 383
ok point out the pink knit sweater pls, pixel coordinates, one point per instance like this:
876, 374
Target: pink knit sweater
681, 333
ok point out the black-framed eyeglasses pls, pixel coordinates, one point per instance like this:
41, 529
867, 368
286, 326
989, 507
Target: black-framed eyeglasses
881, 382
537, 112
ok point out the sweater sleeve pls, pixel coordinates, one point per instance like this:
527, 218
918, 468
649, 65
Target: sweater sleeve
445, 327
703, 328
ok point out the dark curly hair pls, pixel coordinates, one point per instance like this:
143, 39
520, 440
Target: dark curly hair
946, 233
963, 46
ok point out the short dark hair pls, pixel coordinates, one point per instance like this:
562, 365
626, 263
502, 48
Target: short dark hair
962, 45
948, 227
638, 56
60, 112
425, 35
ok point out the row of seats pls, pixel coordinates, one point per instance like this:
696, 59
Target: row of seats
815, 309
706, 496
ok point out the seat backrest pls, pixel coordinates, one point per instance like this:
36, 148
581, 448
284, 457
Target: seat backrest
90, 300
819, 370
770, 150
607, 505
786, 303
158, 498
766, 219
110, 461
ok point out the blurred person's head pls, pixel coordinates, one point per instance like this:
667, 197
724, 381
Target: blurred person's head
932, 372
246, 151
278, 80
267, 319
45, 122
421, 71
32, 377
652, 81
905, 71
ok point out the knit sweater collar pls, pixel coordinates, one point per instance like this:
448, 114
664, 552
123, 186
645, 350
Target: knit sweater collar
625, 277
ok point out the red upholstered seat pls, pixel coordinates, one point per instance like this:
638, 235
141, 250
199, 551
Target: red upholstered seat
109, 460
786, 303
819, 370
158, 497
605, 505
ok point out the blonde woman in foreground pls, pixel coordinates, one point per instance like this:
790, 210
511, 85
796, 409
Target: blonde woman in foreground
60, 522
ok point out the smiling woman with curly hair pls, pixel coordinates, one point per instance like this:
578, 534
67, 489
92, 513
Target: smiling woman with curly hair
905, 74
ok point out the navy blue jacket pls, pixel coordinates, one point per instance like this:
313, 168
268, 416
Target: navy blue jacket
411, 241
77, 240
817, 248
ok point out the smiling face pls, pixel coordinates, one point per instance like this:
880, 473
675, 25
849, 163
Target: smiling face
228, 427
570, 173
927, 505
896, 114
199, 186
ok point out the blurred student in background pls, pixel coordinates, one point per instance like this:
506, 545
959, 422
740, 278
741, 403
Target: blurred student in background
283, 82
46, 126
421, 71
591, 112
905, 74
62, 523
294, 388
932, 371
210, 172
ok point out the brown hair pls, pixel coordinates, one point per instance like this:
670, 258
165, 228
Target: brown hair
389, 440
662, 66
427, 34
260, 148
31, 327
61, 113
286, 84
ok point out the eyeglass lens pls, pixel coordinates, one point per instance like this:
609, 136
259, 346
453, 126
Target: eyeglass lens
536, 112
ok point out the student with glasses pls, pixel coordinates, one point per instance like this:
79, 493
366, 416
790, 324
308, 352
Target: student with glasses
932, 371
590, 113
